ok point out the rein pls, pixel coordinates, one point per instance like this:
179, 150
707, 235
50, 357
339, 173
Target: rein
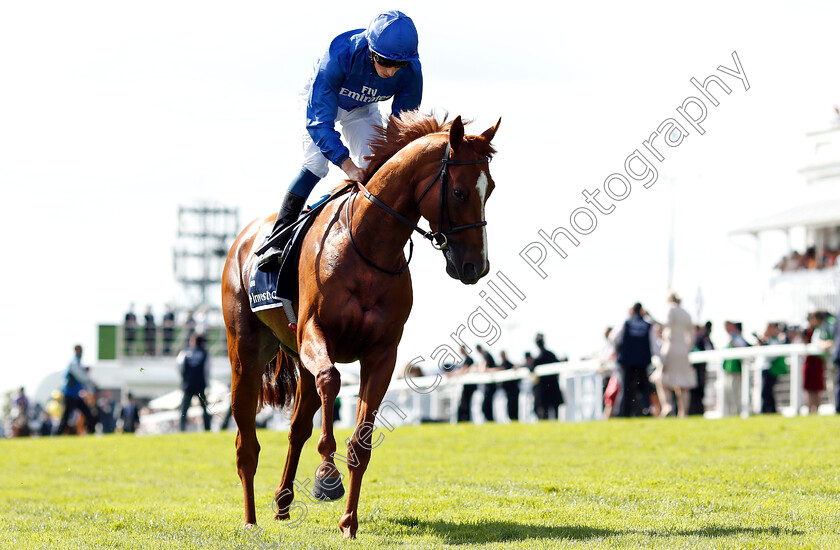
437, 239
400, 217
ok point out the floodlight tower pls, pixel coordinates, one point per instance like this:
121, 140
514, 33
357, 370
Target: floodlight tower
205, 233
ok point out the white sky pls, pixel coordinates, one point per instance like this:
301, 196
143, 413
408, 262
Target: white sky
112, 114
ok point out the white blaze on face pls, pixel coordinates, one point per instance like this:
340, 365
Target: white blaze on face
481, 187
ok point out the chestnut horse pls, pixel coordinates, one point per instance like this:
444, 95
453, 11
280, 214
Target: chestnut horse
354, 296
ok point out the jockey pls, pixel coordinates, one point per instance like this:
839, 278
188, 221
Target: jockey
361, 68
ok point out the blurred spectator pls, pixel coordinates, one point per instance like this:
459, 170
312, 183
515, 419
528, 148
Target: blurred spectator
702, 342
130, 330
194, 364
837, 364
660, 398
636, 344
813, 258
732, 369
677, 339
771, 369
830, 323
612, 394
189, 326
606, 360
19, 414
55, 406
107, 407
610, 375
529, 383
46, 424
130, 415
202, 321
510, 387
790, 263
90, 400
529, 362
149, 331
21, 403
813, 370
77, 385
466, 365
488, 364
168, 330
229, 413
547, 394
410, 371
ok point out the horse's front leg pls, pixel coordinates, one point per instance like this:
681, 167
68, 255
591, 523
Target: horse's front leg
315, 358
376, 376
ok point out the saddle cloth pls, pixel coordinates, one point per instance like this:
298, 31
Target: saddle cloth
277, 287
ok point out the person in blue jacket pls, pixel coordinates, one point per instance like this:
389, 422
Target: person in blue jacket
77, 384
359, 69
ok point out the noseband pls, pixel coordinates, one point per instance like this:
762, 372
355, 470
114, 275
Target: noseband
437, 238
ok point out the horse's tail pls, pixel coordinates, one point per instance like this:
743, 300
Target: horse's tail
278, 382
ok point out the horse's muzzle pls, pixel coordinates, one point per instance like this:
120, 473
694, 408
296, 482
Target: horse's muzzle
467, 272
469, 275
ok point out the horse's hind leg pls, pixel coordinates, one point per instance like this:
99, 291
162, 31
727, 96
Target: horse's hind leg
306, 403
245, 389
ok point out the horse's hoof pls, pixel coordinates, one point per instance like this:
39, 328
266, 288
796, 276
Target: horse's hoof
328, 488
348, 525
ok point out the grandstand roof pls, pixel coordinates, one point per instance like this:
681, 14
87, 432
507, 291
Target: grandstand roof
814, 215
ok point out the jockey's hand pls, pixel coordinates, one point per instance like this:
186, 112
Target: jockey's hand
354, 173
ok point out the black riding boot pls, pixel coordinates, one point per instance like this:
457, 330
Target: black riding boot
289, 213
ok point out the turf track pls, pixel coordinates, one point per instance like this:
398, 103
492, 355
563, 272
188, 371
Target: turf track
762, 482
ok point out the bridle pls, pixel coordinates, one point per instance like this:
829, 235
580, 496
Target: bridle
437, 238
444, 211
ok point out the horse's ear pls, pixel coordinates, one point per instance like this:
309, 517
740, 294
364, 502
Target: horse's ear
456, 134
490, 133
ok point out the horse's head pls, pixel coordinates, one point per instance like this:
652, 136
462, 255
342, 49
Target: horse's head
457, 216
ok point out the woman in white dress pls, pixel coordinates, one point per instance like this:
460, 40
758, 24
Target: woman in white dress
677, 340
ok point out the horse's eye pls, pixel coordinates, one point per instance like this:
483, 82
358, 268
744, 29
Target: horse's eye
460, 195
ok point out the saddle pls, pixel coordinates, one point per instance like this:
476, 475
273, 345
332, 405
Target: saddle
279, 286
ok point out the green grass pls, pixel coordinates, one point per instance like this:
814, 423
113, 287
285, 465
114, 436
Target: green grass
763, 482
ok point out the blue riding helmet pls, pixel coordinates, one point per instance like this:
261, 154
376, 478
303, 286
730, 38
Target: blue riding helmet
392, 35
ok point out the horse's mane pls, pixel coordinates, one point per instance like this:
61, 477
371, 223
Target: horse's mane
412, 125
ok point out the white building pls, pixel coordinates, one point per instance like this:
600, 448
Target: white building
808, 277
